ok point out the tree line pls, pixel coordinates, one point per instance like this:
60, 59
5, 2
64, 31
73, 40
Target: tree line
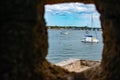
74, 27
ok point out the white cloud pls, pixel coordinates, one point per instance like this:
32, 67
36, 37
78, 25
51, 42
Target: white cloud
70, 8
76, 11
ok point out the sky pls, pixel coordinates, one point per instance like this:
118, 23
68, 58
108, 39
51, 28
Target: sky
72, 14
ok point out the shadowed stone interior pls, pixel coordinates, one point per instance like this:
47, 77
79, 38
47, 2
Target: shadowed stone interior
24, 42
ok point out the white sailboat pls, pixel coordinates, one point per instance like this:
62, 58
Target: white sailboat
64, 31
89, 38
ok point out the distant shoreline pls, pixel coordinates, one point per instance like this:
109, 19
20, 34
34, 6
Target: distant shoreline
74, 27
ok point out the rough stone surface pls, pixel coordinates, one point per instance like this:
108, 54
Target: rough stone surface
64, 1
24, 42
77, 65
110, 19
17, 57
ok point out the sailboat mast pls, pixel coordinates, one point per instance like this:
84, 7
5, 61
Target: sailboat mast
91, 20
93, 25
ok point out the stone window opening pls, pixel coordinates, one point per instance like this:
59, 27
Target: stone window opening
56, 50
24, 42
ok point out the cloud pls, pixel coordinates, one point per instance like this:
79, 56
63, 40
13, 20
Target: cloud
70, 8
71, 13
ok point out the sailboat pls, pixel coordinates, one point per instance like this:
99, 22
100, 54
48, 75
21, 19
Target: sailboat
89, 38
64, 31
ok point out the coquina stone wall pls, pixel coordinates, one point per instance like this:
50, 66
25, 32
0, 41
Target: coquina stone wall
24, 42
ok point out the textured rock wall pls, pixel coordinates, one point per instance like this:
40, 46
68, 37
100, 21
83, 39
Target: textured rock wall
110, 18
17, 53
63, 1
24, 42
110, 21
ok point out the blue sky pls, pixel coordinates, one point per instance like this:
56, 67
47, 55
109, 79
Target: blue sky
71, 14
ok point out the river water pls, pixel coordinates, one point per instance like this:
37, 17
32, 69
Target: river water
69, 46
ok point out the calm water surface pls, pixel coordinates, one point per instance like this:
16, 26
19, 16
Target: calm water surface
63, 47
